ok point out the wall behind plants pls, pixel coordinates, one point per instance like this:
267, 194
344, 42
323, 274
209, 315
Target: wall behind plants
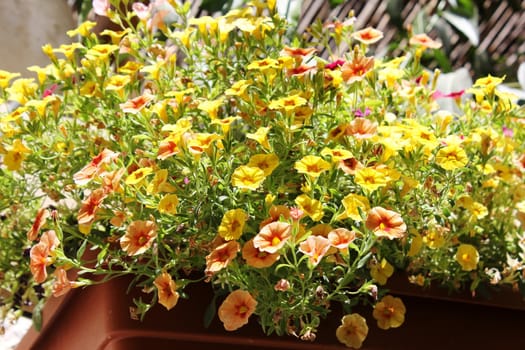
26, 26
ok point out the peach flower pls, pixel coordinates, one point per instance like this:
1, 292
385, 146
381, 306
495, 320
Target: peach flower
221, 256
40, 220
257, 258
86, 214
385, 223
95, 167
368, 35
315, 247
139, 237
39, 260
62, 284
425, 41
236, 309
341, 238
361, 128
166, 290
272, 237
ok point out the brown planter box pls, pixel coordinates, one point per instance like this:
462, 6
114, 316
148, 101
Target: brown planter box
97, 317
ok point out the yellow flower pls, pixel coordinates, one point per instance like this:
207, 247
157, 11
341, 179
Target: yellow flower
488, 83
389, 312
5, 77
69, 50
211, 107
264, 64
101, 51
311, 207
261, 136
381, 271
288, 103
467, 256
352, 331
232, 224
90, 89
352, 203
160, 183
370, 179
22, 90
391, 76
247, 177
415, 244
168, 204
15, 155
117, 83
207, 25
83, 29
435, 237
336, 154
312, 166
265, 162
116, 37
238, 88
201, 142
225, 123
136, 177
451, 157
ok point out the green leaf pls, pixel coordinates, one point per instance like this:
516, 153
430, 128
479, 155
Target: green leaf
81, 250
37, 315
335, 3
364, 260
214, 5
210, 312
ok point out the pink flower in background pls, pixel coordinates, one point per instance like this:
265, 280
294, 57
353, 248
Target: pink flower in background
101, 7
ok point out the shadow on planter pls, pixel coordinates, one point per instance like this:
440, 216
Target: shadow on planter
98, 317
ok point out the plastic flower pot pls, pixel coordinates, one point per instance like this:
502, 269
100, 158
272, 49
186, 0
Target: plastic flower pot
98, 317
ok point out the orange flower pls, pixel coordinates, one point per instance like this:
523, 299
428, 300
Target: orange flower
389, 312
341, 238
236, 309
62, 284
87, 173
257, 258
111, 180
39, 261
86, 214
298, 51
167, 148
385, 223
350, 165
368, 35
352, 331
221, 256
40, 220
361, 128
50, 239
166, 290
139, 237
136, 104
425, 41
272, 237
356, 69
315, 247
276, 212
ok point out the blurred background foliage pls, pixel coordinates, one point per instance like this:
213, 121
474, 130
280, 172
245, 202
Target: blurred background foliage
486, 37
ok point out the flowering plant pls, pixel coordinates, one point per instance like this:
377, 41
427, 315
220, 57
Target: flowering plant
188, 149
